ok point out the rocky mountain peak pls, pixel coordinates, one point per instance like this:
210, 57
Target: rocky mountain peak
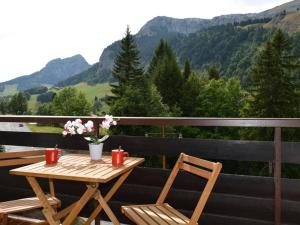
163, 24
55, 71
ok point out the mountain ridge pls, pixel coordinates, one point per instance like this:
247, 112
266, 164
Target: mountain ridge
54, 71
175, 30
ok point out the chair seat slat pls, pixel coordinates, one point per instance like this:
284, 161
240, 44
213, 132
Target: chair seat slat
154, 214
24, 204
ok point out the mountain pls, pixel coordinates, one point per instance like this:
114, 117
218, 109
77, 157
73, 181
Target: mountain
289, 22
173, 30
288, 7
56, 70
197, 39
87, 75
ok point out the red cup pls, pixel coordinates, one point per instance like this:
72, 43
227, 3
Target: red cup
118, 157
52, 156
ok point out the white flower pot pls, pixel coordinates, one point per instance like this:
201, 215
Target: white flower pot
96, 151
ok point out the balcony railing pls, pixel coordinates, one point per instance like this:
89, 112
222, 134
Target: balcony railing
237, 199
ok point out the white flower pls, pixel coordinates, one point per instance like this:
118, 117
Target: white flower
68, 124
109, 117
72, 130
80, 130
89, 124
78, 121
105, 124
76, 127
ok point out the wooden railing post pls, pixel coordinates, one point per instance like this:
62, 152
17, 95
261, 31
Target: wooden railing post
163, 135
277, 176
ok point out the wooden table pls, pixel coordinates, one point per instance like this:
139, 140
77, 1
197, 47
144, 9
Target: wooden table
78, 167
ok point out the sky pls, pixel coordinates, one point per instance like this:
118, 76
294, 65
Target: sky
33, 32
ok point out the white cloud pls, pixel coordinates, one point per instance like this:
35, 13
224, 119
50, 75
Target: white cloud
32, 32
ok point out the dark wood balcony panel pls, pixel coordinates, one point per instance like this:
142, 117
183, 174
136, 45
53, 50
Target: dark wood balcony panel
227, 183
231, 184
42, 140
237, 209
166, 121
222, 204
206, 218
210, 149
234, 195
209, 218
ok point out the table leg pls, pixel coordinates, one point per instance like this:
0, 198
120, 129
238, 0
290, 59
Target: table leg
51, 187
108, 196
107, 210
48, 211
91, 190
64, 212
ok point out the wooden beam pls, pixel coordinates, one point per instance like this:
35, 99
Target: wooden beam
166, 121
277, 176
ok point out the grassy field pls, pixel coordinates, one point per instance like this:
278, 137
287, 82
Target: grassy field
32, 103
90, 91
99, 90
44, 129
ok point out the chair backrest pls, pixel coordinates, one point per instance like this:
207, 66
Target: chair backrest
21, 158
24, 158
203, 168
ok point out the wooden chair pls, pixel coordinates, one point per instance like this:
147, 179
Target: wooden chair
162, 213
24, 204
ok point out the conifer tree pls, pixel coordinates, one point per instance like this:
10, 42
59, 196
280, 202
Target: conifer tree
127, 67
159, 54
272, 82
134, 95
187, 69
190, 90
165, 72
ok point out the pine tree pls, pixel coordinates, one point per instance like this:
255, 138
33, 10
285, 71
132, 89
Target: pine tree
159, 54
190, 91
165, 73
273, 84
187, 69
134, 95
143, 101
127, 67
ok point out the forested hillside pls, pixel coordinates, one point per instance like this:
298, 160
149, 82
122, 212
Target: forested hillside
232, 45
